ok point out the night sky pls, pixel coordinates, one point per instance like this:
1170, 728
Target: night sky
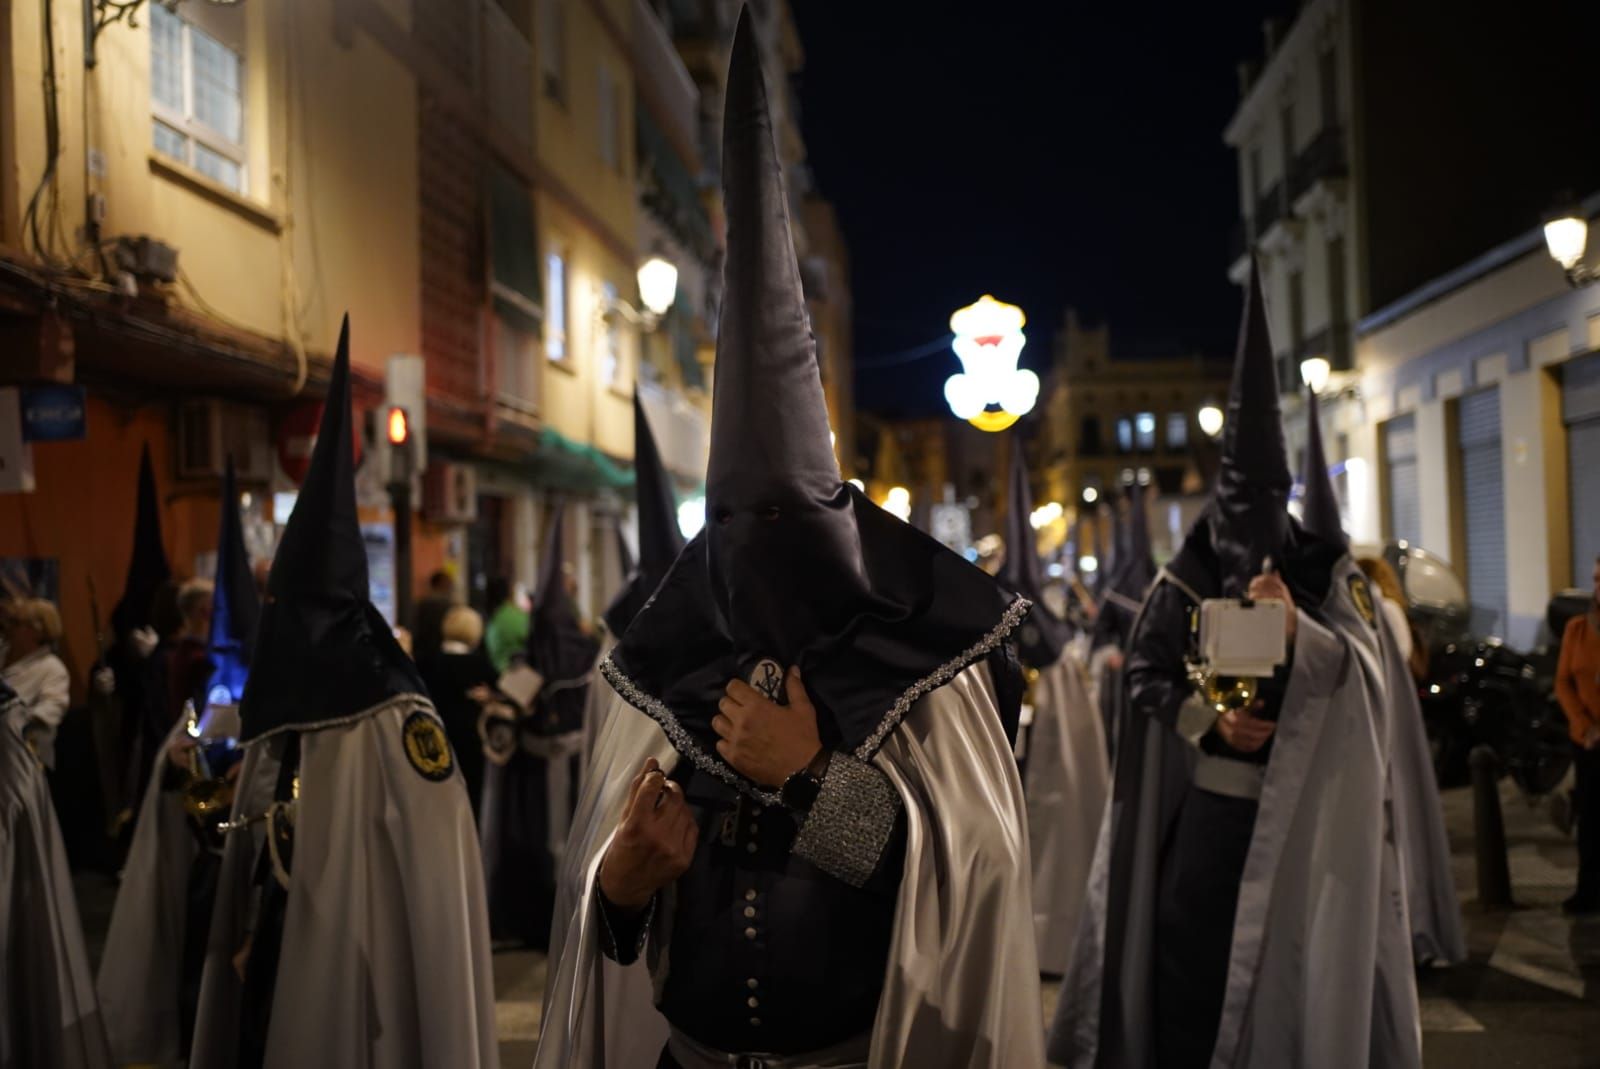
1049, 153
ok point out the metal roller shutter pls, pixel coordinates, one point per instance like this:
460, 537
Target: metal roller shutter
1484, 506
1400, 452
1580, 410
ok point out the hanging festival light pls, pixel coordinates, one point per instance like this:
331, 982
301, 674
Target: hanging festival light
990, 392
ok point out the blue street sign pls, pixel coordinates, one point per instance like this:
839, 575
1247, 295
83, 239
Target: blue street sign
53, 413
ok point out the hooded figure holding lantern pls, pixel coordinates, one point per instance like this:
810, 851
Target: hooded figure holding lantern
802, 820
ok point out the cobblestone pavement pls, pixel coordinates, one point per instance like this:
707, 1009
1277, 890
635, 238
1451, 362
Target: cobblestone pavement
1529, 996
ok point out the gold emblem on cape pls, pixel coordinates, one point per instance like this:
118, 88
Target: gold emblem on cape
1361, 594
426, 747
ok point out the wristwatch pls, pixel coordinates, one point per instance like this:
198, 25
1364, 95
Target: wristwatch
800, 790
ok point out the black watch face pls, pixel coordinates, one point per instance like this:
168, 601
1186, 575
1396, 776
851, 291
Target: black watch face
800, 790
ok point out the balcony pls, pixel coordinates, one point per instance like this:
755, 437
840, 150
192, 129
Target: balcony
1323, 159
665, 88
1269, 209
508, 79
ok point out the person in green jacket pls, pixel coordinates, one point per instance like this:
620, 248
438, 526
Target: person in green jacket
507, 633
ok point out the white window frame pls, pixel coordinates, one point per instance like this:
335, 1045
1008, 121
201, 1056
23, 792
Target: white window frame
558, 306
610, 340
193, 130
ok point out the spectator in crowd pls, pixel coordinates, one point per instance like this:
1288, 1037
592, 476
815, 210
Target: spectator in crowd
1393, 606
427, 619
461, 680
507, 636
1578, 689
32, 628
189, 663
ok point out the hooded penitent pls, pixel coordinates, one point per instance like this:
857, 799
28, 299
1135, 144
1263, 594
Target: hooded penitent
235, 607
1135, 571
1319, 512
324, 654
1110, 540
147, 567
558, 648
660, 541
1041, 636
794, 566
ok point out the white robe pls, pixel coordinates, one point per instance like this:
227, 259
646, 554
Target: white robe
1320, 973
962, 990
48, 1015
141, 967
1065, 780
385, 955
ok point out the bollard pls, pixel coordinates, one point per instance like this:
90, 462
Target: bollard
1489, 830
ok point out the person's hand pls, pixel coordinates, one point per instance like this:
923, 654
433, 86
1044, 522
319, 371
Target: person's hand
1243, 730
765, 741
180, 753
1270, 587
104, 681
653, 845
1114, 660
481, 694
1591, 737
242, 959
144, 641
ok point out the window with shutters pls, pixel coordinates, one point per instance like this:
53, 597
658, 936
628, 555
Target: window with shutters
610, 128
1483, 508
555, 317
611, 340
1400, 452
1580, 412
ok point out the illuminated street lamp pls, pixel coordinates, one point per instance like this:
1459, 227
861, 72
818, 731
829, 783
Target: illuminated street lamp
1566, 236
1210, 419
990, 391
1090, 495
897, 503
658, 285
1314, 372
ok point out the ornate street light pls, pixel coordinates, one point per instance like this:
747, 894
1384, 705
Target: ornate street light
990, 392
658, 285
1314, 372
1210, 420
1566, 236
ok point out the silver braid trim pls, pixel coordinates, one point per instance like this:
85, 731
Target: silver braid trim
399, 701
685, 744
942, 675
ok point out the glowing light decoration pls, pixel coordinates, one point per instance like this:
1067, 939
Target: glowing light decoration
897, 503
1046, 514
991, 392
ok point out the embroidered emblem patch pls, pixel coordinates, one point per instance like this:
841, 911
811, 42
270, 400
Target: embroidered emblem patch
767, 677
426, 747
1361, 594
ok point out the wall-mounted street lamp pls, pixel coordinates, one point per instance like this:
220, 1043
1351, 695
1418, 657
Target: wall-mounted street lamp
1090, 495
1566, 236
1314, 372
1210, 419
658, 291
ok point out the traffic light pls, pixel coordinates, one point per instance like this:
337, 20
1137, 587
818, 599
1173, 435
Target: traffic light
399, 425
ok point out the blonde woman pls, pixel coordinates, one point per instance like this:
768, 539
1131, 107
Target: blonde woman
32, 629
1393, 602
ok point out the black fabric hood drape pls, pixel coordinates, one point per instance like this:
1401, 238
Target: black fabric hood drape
1108, 528
1043, 634
147, 566
236, 608
323, 653
1319, 511
1248, 511
1135, 571
660, 541
558, 648
794, 565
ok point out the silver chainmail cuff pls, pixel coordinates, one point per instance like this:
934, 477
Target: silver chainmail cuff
851, 821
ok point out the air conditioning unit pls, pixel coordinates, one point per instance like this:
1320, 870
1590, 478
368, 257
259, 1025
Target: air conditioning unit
208, 431
450, 493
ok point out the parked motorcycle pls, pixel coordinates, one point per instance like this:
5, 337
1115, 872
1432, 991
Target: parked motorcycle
1478, 690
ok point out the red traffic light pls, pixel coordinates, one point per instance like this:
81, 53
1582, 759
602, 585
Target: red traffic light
399, 426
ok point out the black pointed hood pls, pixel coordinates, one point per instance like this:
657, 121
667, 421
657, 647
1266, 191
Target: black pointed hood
1136, 570
1319, 511
558, 647
1249, 505
794, 566
660, 541
1110, 539
147, 565
236, 609
323, 654
1042, 635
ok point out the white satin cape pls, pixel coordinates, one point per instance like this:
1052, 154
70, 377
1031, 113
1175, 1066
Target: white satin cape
385, 955
1065, 780
48, 1016
962, 990
1320, 973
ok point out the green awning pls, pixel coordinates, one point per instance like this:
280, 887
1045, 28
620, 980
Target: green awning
559, 463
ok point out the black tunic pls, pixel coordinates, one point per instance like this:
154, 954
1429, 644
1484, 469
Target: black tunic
769, 953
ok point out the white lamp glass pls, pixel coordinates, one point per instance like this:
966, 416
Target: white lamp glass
658, 284
1314, 372
692, 516
1090, 495
1210, 419
1566, 239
